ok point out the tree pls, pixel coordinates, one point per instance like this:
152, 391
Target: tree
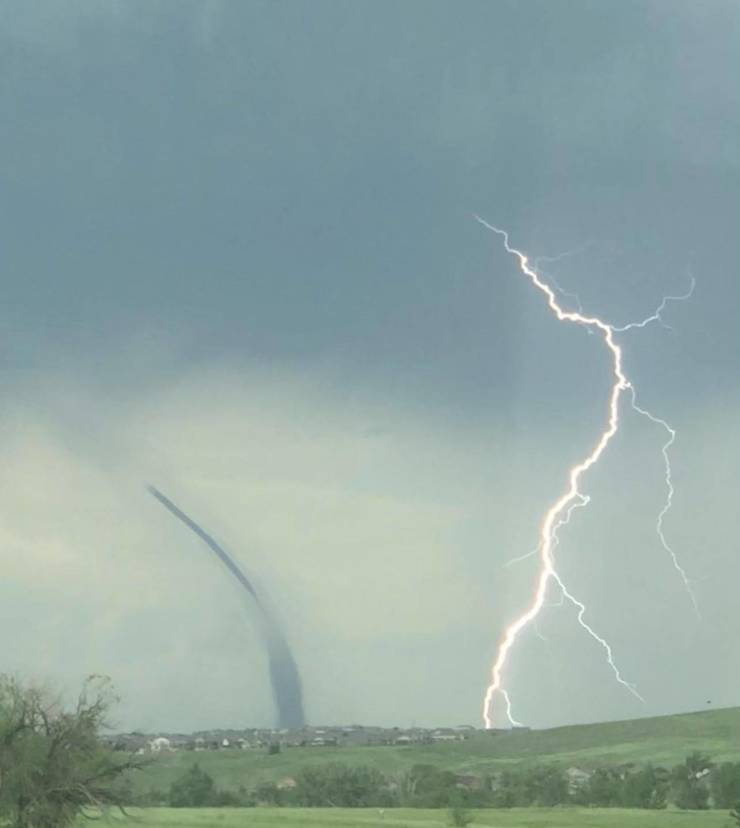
603, 788
549, 786
53, 764
268, 793
725, 784
459, 815
194, 789
427, 786
338, 785
690, 790
645, 788
735, 813
512, 789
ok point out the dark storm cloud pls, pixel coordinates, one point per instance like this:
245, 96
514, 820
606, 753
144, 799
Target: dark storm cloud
300, 182
281, 196
286, 682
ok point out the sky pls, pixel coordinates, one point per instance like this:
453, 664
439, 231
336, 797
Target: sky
240, 262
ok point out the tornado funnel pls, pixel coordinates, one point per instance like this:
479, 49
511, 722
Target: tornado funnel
284, 677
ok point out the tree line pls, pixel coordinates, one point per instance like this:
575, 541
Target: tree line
694, 784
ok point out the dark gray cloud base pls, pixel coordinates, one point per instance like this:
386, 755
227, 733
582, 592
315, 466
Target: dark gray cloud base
284, 676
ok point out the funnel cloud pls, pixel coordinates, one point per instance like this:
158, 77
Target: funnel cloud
284, 676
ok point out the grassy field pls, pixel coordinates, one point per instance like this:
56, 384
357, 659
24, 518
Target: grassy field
665, 740
401, 818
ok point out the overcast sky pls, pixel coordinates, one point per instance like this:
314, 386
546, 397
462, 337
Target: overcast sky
239, 261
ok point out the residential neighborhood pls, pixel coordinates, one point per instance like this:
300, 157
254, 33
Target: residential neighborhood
307, 737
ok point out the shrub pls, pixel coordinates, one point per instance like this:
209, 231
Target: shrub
459, 816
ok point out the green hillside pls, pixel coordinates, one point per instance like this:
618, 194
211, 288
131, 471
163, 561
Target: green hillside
663, 740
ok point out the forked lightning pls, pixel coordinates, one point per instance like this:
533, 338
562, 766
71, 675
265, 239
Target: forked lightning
573, 498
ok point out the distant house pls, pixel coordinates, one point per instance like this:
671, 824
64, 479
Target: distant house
160, 744
577, 778
287, 784
445, 735
468, 782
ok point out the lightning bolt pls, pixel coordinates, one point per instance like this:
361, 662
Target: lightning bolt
561, 511
657, 316
554, 260
671, 432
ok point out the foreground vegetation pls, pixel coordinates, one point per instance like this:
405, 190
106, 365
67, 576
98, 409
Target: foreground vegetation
416, 818
55, 769
53, 765
664, 740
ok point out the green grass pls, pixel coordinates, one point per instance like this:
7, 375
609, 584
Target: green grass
665, 741
401, 818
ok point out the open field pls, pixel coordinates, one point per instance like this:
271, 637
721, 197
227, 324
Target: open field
665, 741
401, 818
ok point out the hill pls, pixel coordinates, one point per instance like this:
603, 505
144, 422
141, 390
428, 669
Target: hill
663, 740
